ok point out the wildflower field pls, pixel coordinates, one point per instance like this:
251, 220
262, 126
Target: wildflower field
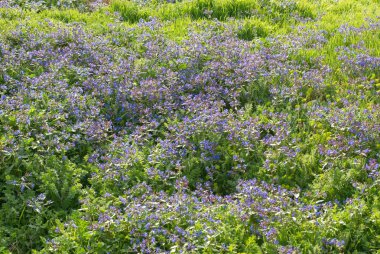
193, 126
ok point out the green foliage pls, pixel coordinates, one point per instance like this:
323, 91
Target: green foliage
313, 105
129, 11
49, 188
252, 29
221, 10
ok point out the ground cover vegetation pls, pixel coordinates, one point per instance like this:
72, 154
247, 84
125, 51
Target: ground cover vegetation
203, 126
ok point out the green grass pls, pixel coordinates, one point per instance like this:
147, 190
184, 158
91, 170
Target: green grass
252, 18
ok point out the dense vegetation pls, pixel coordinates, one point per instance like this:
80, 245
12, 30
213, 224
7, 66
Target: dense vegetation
203, 126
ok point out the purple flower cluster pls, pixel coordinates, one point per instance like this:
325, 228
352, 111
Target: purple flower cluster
212, 144
154, 222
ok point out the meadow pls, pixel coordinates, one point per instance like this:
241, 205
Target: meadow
193, 126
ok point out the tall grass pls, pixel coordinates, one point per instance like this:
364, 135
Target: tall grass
211, 9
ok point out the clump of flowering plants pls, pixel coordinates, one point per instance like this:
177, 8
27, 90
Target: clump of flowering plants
121, 139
